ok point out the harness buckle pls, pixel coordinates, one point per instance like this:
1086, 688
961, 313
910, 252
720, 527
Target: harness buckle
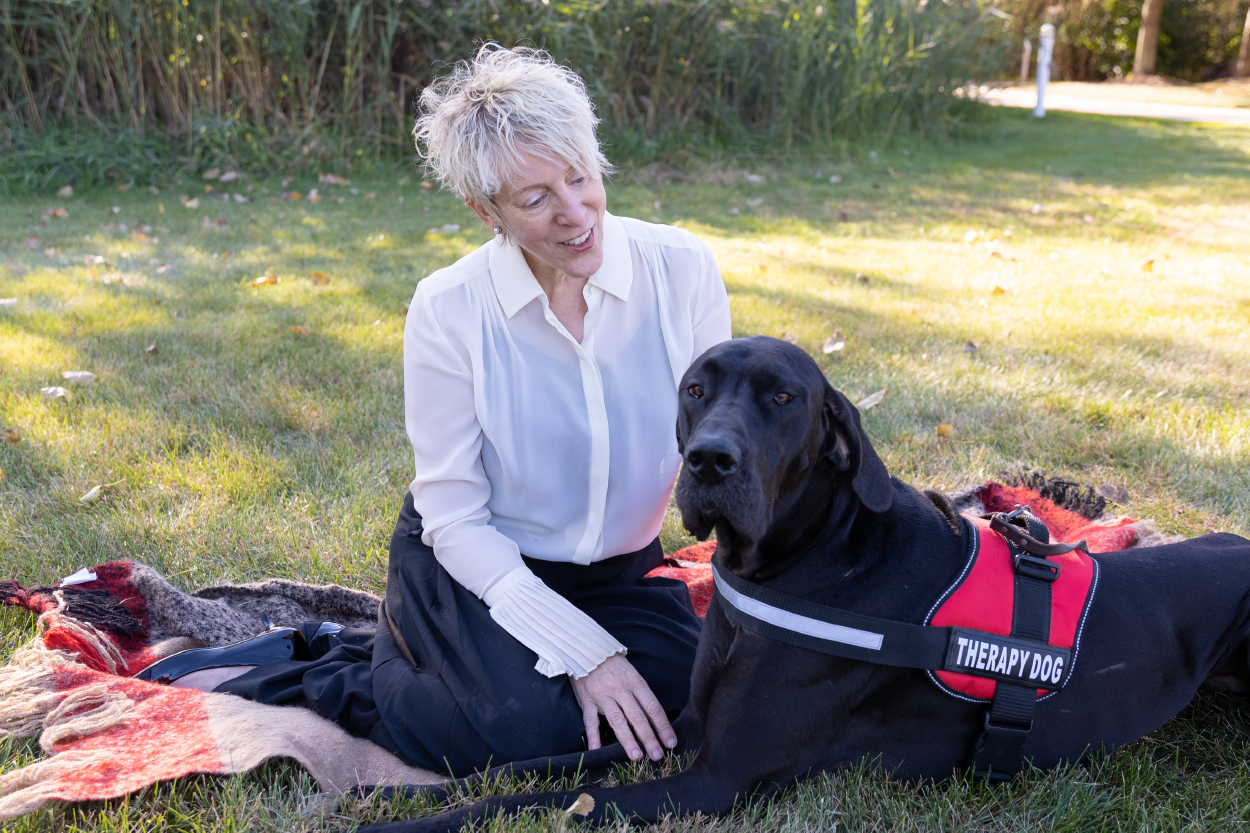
1033, 567
997, 755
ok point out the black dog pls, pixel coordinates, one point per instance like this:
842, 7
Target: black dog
776, 463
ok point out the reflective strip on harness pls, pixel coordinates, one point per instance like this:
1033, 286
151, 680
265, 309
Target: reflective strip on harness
794, 622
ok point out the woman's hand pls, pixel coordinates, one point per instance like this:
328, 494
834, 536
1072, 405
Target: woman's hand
619, 693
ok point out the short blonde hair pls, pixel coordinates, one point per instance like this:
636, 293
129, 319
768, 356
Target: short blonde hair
475, 121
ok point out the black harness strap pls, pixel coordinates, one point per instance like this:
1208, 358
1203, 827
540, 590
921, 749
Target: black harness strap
997, 755
828, 630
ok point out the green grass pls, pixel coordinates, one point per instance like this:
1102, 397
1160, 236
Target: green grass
245, 449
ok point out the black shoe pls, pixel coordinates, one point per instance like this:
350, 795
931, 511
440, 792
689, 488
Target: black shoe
274, 645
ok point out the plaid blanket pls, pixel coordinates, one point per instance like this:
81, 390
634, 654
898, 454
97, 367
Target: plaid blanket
107, 734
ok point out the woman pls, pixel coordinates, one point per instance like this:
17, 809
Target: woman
540, 378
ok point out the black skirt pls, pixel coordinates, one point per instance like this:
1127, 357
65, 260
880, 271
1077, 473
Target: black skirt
473, 698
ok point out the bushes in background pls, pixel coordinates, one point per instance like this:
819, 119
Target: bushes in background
315, 82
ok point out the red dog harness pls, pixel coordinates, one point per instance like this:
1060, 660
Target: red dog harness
982, 600
1006, 632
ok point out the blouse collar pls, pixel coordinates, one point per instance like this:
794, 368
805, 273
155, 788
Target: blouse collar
516, 286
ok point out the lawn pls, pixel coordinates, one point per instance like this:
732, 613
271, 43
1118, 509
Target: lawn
1071, 294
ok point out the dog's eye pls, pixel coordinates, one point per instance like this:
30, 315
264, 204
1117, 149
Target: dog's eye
696, 391
782, 398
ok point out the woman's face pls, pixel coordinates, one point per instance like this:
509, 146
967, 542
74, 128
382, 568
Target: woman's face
555, 214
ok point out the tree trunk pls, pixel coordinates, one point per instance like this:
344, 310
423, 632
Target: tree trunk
1148, 38
1242, 70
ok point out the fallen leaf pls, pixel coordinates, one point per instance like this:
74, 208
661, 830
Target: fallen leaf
211, 173
301, 330
79, 377
1115, 494
872, 400
124, 187
998, 255
160, 208
287, 180
163, 268
54, 392
318, 277
241, 198
10, 436
117, 209
426, 185
224, 255
33, 242
371, 195
583, 805
192, 203
114, 278
1148, 266
334, 179
834, 179
92, 495
151, 350
65, 191
152, 189
313, 196
230, 176
60, 213
790, 337
998, 290
763, 267
1088, 218
834, 343
945, 430
970, 347
49, 252
893, 173
265, 280
139, 237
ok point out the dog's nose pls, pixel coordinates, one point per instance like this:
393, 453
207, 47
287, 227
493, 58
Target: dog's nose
712, 459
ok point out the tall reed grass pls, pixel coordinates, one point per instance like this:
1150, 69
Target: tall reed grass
318, 82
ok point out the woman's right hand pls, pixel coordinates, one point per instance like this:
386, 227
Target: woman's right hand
619, 693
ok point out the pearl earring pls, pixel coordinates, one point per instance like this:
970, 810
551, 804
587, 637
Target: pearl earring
498, 230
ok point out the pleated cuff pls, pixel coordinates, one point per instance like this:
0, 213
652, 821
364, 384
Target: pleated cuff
566, 640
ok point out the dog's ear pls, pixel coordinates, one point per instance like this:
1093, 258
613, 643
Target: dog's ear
849, 450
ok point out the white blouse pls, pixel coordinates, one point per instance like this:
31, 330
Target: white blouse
527, 441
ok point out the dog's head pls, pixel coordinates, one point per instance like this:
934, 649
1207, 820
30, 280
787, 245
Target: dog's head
758, 427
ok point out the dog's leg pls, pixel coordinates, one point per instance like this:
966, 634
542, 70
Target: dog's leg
694, 790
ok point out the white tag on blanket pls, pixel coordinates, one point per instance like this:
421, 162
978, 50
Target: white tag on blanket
81, 577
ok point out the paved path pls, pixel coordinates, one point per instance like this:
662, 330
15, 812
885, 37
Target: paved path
1027, 97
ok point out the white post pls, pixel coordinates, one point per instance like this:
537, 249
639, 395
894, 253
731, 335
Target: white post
1025, 60
1045, 49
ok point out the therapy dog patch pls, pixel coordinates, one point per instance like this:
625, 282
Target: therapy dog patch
979, 607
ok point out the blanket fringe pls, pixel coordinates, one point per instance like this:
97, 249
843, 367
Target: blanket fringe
86, 712
27, 789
